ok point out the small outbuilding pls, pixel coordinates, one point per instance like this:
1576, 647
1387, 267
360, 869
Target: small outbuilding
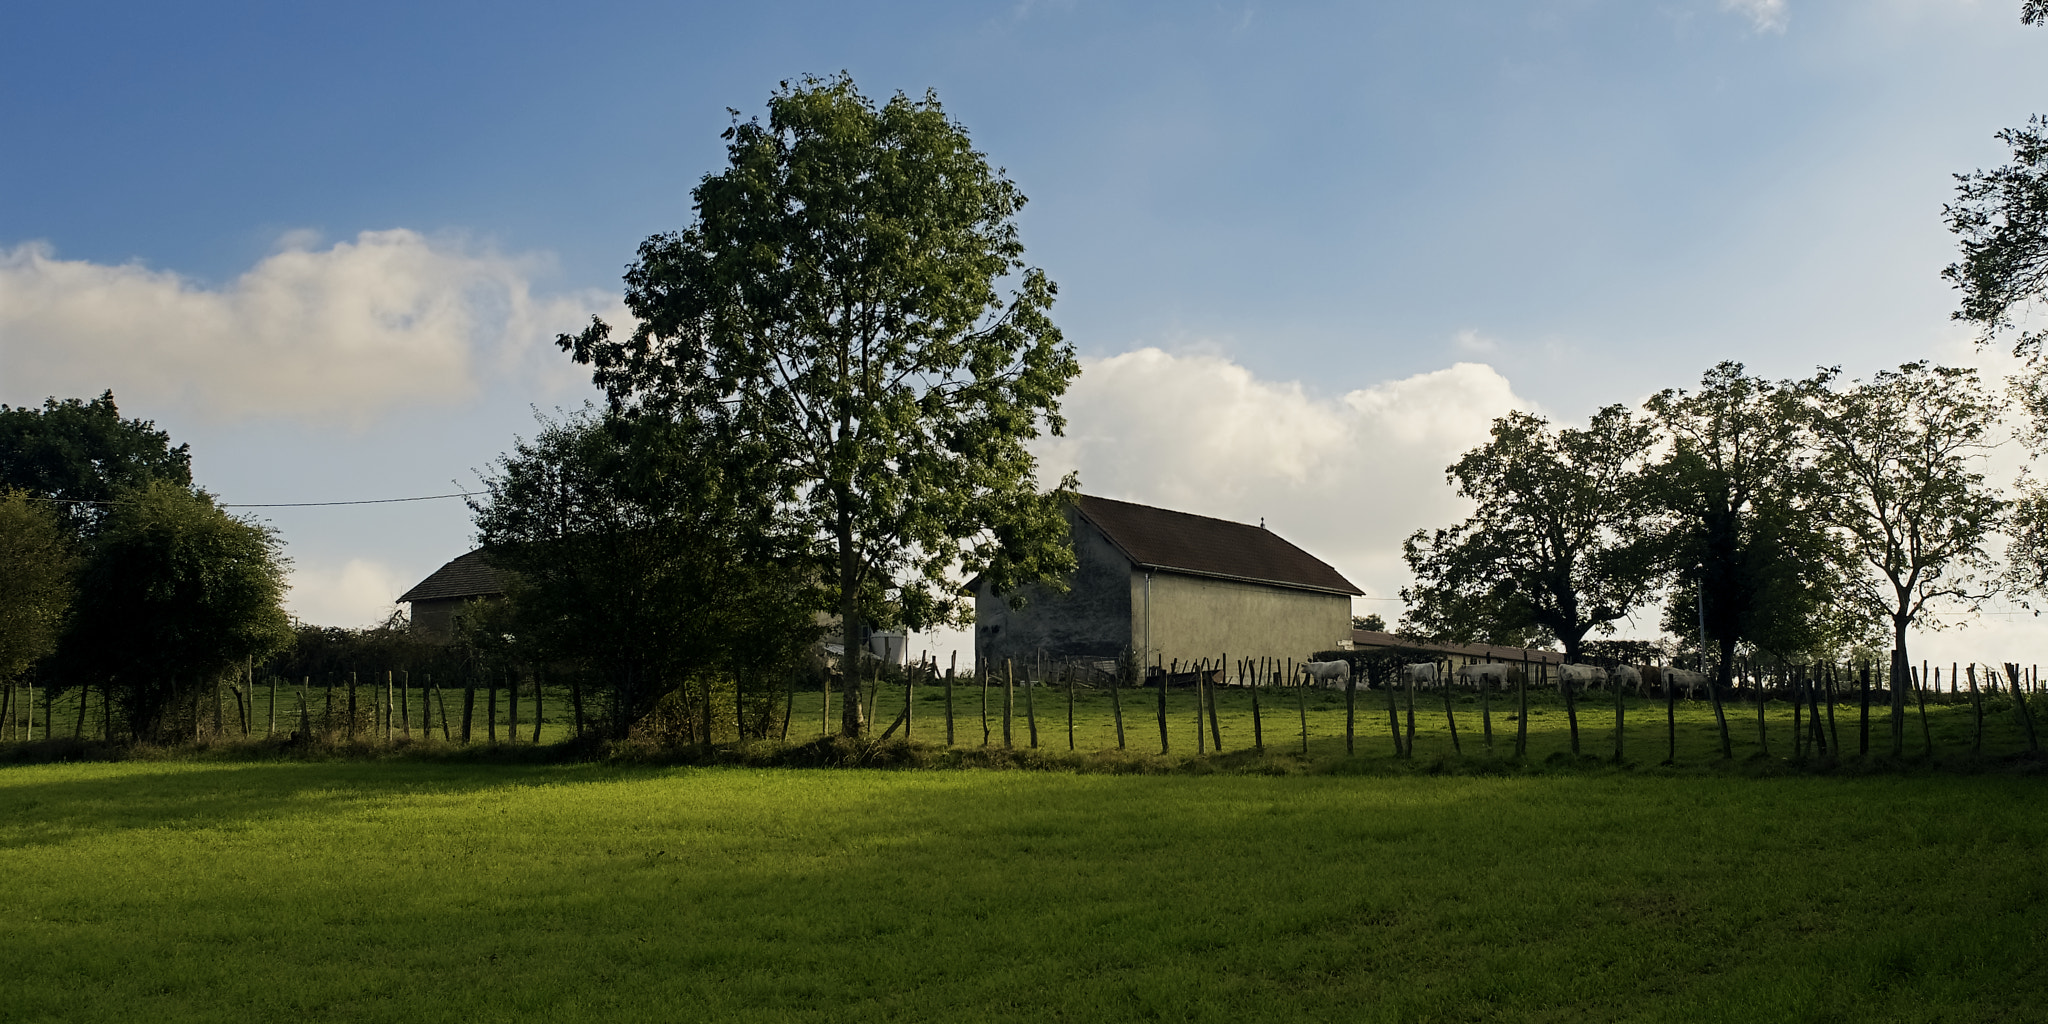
436, 599
1169, 586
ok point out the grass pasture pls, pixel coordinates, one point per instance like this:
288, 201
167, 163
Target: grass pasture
421, 891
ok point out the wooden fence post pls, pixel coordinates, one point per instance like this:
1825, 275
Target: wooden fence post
1163, 745
1009, 702
1200, 740
950, 670
1215, 728
538, 677
1116, 698
1258, 726
1409, 744
2019, 705
1301, 702
405, 704
388, 696
1031, 703
1977, 706
1450, 716
468, 703
1070, 673
1486, 711
1522, 709
1566, 686
1920, 698
1377, 672
441, 701
981, 672
1350, 712
1620, 710
350, 728
491, 707
1863, 697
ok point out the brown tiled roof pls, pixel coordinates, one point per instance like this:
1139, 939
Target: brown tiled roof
468, 576
1374, 638
1157, 538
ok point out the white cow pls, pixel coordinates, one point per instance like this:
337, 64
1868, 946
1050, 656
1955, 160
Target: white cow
1581, 677
1421, 674
1330, 675
1484, 674
1684, 679
1626, 676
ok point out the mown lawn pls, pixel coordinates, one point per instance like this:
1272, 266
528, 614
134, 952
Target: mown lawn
406, 890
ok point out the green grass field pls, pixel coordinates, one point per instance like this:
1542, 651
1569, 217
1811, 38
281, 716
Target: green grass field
409, 890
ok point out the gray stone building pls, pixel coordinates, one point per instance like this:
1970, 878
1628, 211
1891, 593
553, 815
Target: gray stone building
1172, 587
436, 599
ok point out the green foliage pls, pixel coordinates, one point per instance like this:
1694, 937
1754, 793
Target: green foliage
85, 452
637, 551
35, 581
174, 592
835, 317
1735, 488
1898, 461
1552, 549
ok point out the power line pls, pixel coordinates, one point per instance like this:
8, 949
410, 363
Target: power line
283, 504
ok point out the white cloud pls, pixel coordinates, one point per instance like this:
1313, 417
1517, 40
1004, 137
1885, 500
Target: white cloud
355, 594
1763, 15
1346, 478
341, 334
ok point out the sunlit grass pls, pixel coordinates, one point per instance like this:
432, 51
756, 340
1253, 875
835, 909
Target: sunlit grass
423, 891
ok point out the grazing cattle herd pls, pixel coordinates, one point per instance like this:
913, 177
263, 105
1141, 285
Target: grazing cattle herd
1642, 680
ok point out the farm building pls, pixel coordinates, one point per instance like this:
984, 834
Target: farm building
436, 599
1174, 586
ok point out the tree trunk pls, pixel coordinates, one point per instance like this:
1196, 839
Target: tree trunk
852, 723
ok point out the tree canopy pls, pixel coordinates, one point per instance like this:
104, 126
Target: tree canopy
35, 581
1552, 549
1736, 534
85, 453
635, 552
837, 315
174, 592
1898, 459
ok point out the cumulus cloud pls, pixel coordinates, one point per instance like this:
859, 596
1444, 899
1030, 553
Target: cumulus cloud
341, 334
1346, 478
1763, 15
356, 593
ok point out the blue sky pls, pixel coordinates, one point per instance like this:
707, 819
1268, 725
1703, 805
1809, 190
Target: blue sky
1348, 234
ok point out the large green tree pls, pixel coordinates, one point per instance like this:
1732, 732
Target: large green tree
851, 308
1738, 540
1899, 459
35, 581
85, 453
636, 551
175, 592
1552, 548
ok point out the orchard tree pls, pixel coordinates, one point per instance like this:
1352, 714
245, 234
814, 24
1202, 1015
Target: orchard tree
1552, 549
174, 592
1900, 465
1737, 533
35, 581
635, 551
837, 314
